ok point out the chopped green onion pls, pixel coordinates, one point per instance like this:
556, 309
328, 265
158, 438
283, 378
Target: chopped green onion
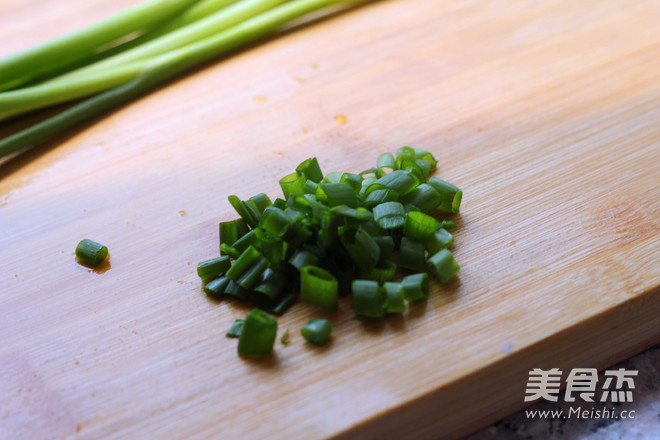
217, 287
419, 226
310, 187
360, 214
381, 274
389, 215
303, 258
394, 296
379, 196
415, 287
334, 194
425, 166
231, 231
284, 303
273, 248
285, 338
213, 268
362, 248
310, 169
354, 180
317, 331
318, 287
247, 259
333, 177
424, 197
443, 266
414, 170
398, 180
235, 329
440, 239
275, 221
404, 153
91, 252
252, 238
451, 195
413, 255
293, 185
272, 283
448, 225
426, 156
367, 299
253, 275
233, 289
386, 245
258, 335
385, 164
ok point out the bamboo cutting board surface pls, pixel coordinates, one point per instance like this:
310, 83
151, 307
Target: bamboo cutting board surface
545, 113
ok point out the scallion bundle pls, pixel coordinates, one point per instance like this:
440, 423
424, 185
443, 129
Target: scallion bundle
117, 60
341, 234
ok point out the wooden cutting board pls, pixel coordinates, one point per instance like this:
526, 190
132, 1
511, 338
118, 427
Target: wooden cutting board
546, 114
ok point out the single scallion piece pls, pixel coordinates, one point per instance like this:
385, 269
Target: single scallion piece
91, 252
285, 338
235, 329
258, 335
419, 226
415, 287
394, 298
217, 287
385, 164
311, 170
442, 265
318, 287
413, 255
317, 331
440, 239
213, 268
451, 195
367, 299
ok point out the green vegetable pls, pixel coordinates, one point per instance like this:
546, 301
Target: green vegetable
91, 252
213, 268
443, 266
285, 338
257, 336
368, 299
217, 287
339, 239
318, 287
394, 298
451, 195
148, 65
317, 331
415, 287
235, 329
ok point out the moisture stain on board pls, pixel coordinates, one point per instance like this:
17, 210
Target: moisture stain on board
340, 119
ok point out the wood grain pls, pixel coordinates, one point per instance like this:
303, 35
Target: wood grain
544, 113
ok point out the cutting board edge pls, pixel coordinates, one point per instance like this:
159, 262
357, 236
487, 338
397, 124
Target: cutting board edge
610, 327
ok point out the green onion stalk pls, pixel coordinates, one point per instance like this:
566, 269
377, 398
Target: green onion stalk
194, 38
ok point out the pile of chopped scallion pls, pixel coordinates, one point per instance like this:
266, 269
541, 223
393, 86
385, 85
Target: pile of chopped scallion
332, 236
